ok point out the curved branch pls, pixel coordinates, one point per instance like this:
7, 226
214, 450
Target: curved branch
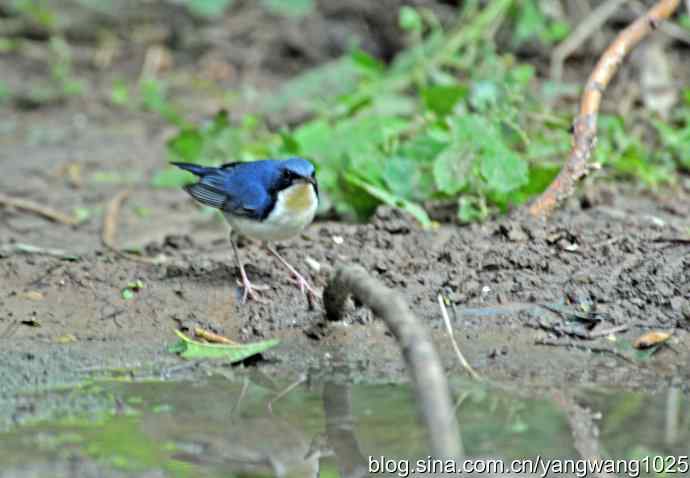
431, 386
585, 125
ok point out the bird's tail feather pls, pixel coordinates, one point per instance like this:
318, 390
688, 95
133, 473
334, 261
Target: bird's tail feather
194, 168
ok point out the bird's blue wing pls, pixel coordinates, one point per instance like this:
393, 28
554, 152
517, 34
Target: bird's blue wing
246, 198
206, 194
232, 193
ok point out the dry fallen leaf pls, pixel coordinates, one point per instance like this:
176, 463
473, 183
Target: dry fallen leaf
31, 295
651, 339
212, 337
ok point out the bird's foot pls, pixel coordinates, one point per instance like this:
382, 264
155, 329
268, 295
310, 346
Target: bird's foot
303, 284
251, 291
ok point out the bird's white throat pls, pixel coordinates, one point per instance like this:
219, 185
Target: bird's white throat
294, 210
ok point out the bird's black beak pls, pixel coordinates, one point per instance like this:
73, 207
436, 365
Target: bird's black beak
312, 180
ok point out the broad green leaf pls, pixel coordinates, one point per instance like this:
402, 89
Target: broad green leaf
503, 170
402, 176
423, 148
475, 130
191, 349
441, 99
452, 169
171, 178
314, 138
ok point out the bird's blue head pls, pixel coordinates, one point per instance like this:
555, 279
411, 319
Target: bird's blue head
294, 170
298, 167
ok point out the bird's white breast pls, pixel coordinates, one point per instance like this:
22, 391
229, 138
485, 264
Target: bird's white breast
294, 209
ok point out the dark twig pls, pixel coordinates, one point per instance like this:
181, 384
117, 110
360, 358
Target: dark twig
585, 126
431, 387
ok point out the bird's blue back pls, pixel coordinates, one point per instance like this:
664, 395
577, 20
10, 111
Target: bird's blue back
246, 189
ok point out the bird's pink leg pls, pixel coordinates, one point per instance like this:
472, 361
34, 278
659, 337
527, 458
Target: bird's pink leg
301, 282
250, 290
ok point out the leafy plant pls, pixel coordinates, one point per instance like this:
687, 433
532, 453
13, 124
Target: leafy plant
449, 119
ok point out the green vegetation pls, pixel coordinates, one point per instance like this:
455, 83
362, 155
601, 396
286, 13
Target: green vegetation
453, 118
449, 119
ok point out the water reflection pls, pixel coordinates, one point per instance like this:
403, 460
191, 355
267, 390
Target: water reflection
221, 428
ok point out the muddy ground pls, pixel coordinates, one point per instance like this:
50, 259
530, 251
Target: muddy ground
604, 270
608, 252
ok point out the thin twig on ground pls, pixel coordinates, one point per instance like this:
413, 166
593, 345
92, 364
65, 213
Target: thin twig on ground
110, 220
109, 231
431, 387
44, 211
449, 329
585, 126
585, 29
585, 347
22, 248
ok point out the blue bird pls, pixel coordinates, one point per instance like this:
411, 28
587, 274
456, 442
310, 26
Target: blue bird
268, 200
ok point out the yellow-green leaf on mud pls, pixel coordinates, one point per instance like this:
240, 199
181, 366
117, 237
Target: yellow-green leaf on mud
191, 349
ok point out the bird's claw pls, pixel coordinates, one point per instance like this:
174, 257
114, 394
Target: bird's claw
304, 286
251, 291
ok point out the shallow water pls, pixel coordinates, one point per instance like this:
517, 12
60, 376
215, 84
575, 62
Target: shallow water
219, 427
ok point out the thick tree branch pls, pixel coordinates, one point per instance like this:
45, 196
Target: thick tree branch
423, 363
585, 126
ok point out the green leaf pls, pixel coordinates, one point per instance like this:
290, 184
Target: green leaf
119, 93
171, 178
128, 294
191, 349
409, 19
208, 8
503, 170
452, 169
187, 146
530, 22
314, 138
484, 94
402, 176
382, 195
441, 99
471, 209
367, 63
